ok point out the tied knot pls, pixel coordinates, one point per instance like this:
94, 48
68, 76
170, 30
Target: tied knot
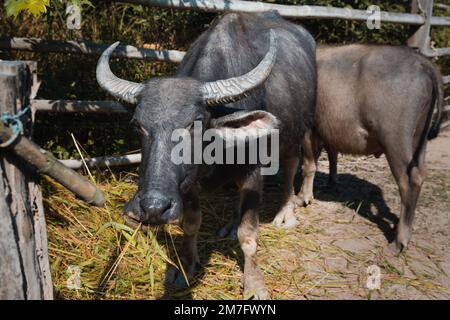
15, 124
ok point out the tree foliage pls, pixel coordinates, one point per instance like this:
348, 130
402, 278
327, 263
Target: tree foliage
35, 7
68, 76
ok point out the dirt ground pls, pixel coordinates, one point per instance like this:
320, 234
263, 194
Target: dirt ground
352, 224
340, 235
343, 233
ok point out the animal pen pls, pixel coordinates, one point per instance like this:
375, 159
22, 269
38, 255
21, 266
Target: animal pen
24, 269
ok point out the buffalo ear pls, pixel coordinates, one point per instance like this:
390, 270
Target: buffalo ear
245, 124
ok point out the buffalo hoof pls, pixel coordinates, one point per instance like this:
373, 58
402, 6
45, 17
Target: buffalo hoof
254, 287
228, 231
176, 277
285, 217
304, 200
394, 249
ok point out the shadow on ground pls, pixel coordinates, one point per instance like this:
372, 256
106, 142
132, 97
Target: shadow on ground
365, 198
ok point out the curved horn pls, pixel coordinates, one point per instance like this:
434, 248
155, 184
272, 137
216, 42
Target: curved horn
119, 88
236, 88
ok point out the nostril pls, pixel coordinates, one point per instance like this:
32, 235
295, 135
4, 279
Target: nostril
155, 206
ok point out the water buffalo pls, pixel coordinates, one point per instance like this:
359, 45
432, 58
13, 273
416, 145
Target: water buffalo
374, 100
233, 63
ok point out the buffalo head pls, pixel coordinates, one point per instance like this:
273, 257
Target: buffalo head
169, 103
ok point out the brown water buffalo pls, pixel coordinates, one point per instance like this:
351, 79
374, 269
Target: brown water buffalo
374, 100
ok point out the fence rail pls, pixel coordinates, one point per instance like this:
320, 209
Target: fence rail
99, 106
102, 162
422, 16
135, 158
72, 106
442, 6
89, 48
290, 11
122, 51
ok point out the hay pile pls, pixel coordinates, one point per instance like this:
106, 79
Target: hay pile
325, 256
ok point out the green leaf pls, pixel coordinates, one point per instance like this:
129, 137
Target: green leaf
14, 7
35, 7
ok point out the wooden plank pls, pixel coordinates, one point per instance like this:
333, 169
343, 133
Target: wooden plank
11, 276
36, 201
442, 6
89, 48
26, 221
421, 38
37, 210
289, 11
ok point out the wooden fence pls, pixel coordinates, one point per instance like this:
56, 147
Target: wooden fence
24, 265
24, 268
421, 16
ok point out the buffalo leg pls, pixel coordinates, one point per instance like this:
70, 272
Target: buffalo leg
188, 255
409, 176
229, 230
250, 190
311, 151
285, 217
332, 160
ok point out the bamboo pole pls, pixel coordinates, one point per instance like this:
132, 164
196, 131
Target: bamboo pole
45, 163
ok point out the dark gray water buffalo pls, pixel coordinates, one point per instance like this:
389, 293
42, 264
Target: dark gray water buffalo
373, 100
235, 62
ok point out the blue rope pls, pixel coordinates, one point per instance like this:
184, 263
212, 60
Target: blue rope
14, 123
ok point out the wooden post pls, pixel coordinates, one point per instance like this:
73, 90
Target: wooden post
421, 38
24, 265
